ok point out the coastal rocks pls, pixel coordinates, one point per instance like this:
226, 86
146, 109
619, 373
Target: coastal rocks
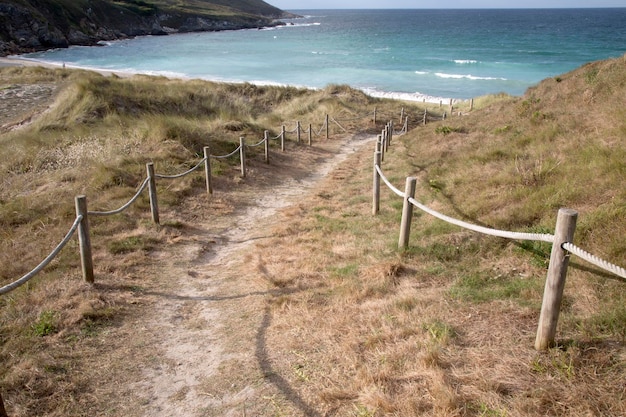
35, 25
22, 30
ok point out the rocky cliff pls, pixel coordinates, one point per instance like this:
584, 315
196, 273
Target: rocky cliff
32, 25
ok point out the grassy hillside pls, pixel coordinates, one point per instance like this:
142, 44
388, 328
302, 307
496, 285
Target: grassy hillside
354, 327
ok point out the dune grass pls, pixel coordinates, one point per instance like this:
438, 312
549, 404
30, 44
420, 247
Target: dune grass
356, 327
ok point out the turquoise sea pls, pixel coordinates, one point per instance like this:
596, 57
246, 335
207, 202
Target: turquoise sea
409, 54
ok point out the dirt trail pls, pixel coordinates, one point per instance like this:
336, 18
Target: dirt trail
210, 326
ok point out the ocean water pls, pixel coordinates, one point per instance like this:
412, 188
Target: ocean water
409, 54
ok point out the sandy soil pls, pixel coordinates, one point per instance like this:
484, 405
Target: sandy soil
211, 363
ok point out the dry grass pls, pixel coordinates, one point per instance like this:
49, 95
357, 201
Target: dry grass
347, 325
447, 327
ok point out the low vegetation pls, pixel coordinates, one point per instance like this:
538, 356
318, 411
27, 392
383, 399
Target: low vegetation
352, 326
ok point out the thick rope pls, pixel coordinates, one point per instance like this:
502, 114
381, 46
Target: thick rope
480, 229
171, 177
10, 287
485, 230
337, 123
229, 155
593, 259
125, 206
386, 181
256, 144
357, 117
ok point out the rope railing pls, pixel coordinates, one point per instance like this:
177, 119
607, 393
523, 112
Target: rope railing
543, 237
125, 206
560, 240
595, 260
353, 119
480, 229
27, 277
229, 155
257, 144
388, 183
184, 174
82, 225
338, 124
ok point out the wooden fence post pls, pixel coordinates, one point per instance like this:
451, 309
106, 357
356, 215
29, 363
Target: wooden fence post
310, 134
84, 240
390, 138
401, 114
298, 130
406, 124
266, 143
327, 127
154, 204
242, 156
381, 144
207, 170
555, 281
374, 116
471, 104
282, 138
407, 212
376, 191
425, 115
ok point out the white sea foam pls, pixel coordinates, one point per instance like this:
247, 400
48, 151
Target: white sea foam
467, 77
417, 96
465, 61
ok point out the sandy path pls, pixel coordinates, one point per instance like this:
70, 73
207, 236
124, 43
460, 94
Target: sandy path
211, 324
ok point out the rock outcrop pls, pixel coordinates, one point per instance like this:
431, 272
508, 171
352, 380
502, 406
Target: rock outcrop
34, 25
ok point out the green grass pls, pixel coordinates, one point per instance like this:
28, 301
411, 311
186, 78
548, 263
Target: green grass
482, 287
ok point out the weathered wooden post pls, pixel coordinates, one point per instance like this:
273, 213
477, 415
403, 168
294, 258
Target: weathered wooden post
406, 124
401, 114
381, 144
374, 116
298, 130
282, 138
407, 212
390, 138
207, 170
425, 115
376, 191
327, 127
154, 204
555, 281
242, 156
471, 104
310, 134
266, 145
84, 241
450, 106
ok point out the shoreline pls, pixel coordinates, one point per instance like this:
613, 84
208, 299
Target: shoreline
16, 60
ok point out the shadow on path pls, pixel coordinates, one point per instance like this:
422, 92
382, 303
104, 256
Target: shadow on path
272, 376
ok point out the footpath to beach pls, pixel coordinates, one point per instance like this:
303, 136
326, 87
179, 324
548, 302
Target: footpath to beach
208, 325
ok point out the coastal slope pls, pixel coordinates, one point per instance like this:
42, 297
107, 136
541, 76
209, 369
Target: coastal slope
34, 25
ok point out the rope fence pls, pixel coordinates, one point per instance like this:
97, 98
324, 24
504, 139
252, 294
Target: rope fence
27, 277
81, 223
560, 240
184, 174
125, 206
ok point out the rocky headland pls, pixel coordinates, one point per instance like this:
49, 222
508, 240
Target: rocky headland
35, 25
